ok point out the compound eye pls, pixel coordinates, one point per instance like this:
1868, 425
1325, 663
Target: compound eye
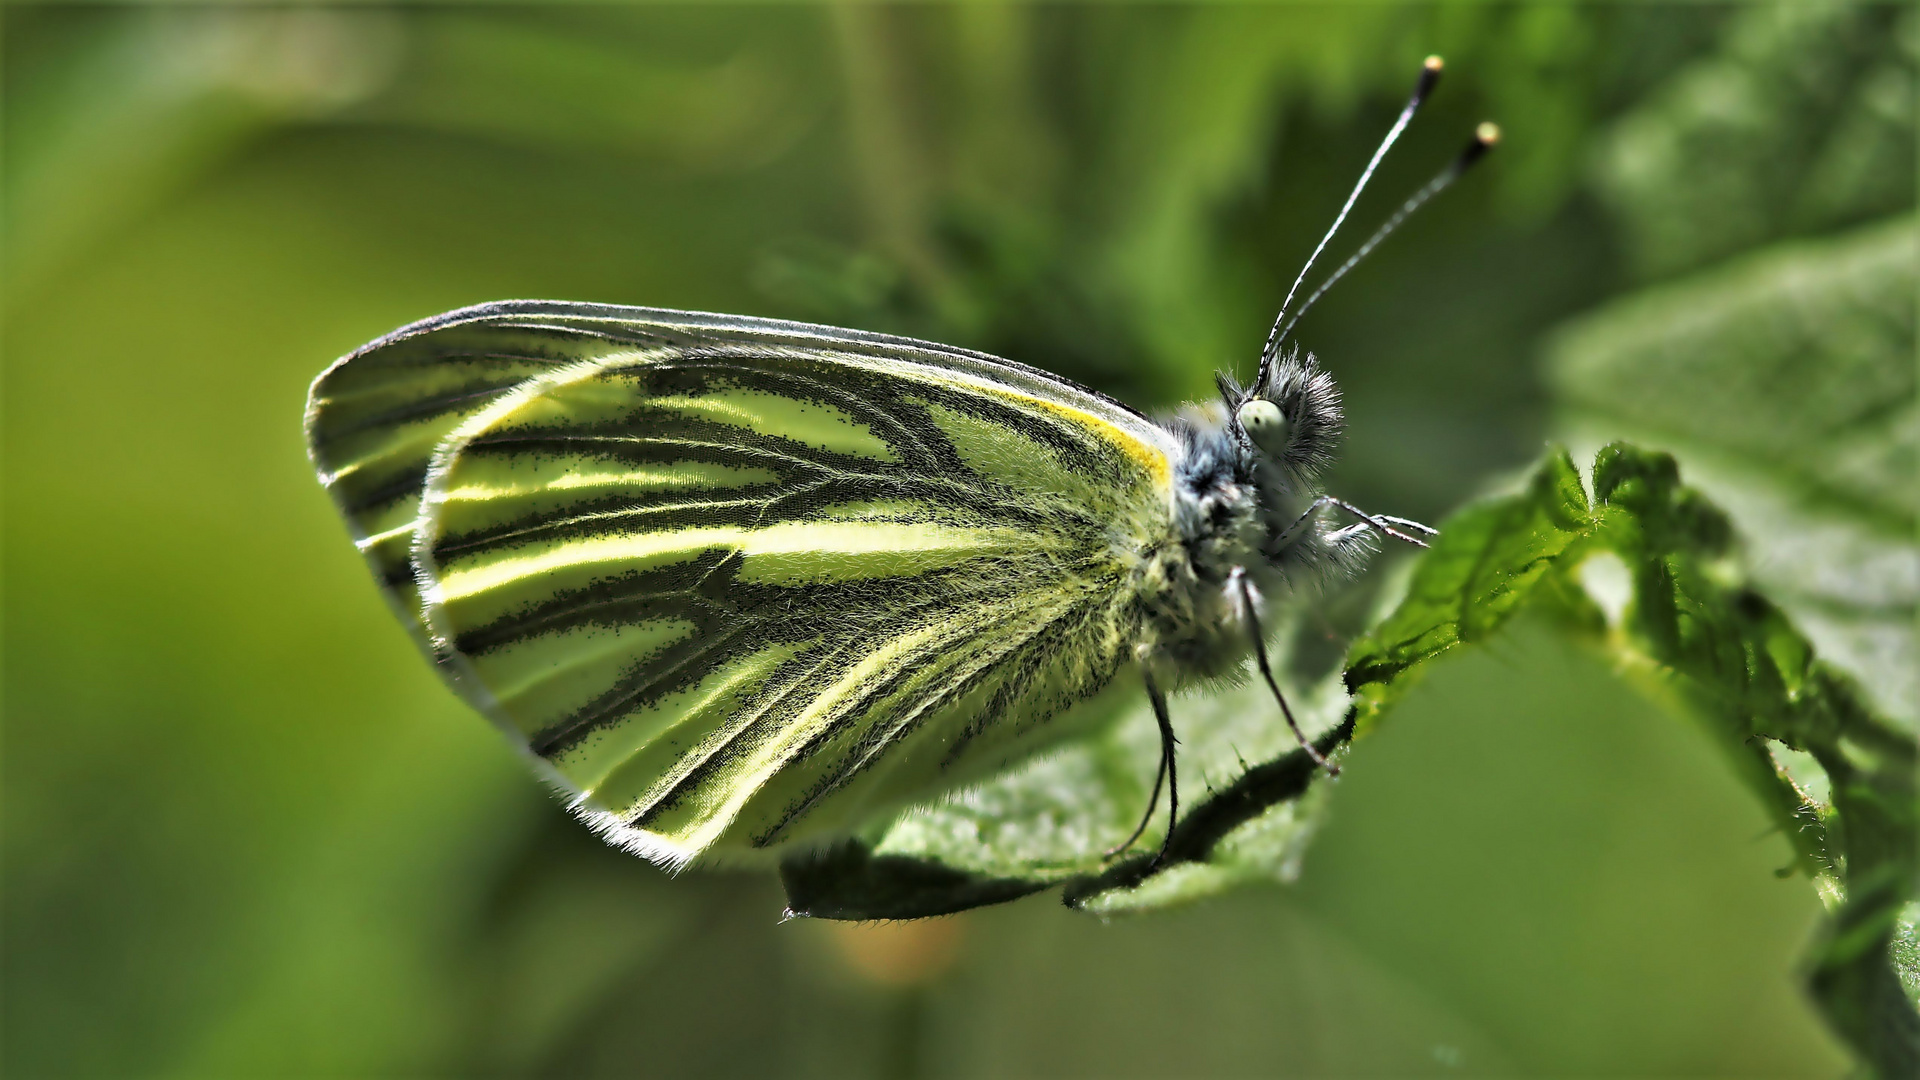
1264, 423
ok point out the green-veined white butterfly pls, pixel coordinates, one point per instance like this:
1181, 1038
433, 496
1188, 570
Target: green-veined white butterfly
735, 583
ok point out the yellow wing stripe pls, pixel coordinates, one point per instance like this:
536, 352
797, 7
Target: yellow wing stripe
843, 551
1150, 458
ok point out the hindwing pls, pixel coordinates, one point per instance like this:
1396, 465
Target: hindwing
736, 582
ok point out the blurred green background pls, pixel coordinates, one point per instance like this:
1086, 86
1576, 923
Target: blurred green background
248, 833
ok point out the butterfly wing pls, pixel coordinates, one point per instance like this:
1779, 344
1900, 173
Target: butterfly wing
736, 582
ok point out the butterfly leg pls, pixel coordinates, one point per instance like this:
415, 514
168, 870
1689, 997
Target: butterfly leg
1266, 672
1160, 776
1408, 523
1385, 523
1167, 743
1382, 522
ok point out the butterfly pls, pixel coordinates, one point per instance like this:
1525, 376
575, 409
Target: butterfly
737, 583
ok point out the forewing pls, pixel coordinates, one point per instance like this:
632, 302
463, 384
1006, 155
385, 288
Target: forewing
375, 418
733, 581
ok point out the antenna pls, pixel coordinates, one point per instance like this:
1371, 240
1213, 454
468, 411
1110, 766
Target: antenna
1484, 138
1429, 75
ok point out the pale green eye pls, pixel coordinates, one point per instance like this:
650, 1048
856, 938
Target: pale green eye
1264, 423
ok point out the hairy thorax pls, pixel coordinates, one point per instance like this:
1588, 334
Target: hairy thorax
1183, 578
1233, 513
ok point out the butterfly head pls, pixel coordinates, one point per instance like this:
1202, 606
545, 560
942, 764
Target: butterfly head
1289, 421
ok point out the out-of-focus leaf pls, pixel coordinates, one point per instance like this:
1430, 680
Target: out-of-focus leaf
1186, 127
1786, 382
1802, 120
147, 104
1784, 378
1687, 623
1744, 668
595, 81
1005, 191
1803, 352
1543, 93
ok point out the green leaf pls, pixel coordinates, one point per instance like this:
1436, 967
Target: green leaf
848, 881
1805, 351
1485, 563
1803, 119
147, 105
1052, 821
1784, 379
1748, 672
1687, 626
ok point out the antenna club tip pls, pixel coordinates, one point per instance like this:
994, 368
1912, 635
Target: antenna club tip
1434, 64
1487, 134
